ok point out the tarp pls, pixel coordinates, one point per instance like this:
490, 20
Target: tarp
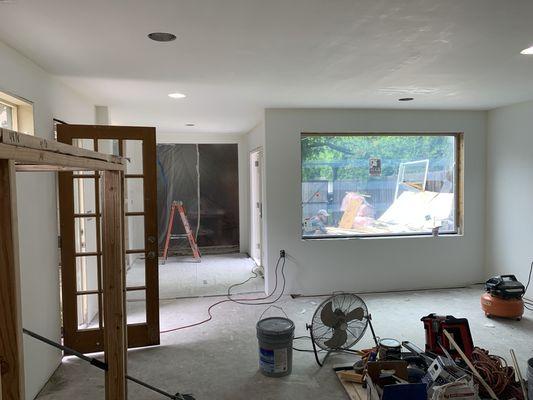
205, 178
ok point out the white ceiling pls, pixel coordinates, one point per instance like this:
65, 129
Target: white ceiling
233, 58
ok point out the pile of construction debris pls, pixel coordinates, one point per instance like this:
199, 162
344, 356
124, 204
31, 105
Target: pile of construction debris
450, 367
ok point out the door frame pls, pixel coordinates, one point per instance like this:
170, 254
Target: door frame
139, 334
256, 207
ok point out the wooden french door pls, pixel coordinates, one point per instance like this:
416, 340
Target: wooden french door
81, 238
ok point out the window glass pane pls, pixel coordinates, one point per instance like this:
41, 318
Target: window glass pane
88, 311
134, 154
86, 273
85, 235
136, 307
135, 270
84, 196
134, 194
134, 227
378, 185
108, 146
6, 116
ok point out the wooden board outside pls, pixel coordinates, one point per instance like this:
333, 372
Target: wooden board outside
350, 213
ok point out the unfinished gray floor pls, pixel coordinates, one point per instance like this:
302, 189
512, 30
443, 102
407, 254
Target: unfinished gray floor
218, 360
183, 277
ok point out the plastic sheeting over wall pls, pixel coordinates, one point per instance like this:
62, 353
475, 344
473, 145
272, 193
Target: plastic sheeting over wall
205, 178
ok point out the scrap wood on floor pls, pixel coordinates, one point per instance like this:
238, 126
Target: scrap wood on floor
354, 390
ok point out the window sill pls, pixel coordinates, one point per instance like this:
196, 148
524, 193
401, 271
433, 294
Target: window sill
369, 237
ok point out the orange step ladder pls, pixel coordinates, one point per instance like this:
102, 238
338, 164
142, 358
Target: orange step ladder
188, 233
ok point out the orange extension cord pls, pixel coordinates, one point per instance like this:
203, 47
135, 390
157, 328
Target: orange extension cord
498, 375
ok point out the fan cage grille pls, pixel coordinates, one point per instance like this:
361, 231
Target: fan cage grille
355, 330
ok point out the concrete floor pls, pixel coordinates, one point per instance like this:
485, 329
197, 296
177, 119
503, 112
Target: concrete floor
218, 360
183, 277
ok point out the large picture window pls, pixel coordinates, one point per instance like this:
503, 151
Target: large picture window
367, 185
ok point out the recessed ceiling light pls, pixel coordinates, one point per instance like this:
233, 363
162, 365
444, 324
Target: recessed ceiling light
162, 36
528, 51
189, 124
177, 95
406, 99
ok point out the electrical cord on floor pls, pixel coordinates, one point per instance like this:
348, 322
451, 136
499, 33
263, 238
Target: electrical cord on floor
246, 302
303, 350
239, 301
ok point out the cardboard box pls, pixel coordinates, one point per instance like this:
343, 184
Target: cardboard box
380, 385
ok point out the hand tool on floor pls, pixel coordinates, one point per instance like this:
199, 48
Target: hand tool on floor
103, 366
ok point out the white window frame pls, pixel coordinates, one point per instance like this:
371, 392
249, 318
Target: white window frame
458, 187
14, 112
22, 112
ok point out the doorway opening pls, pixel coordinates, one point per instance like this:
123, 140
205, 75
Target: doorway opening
256, 206
204, 178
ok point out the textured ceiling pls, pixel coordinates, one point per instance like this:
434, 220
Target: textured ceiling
233, 58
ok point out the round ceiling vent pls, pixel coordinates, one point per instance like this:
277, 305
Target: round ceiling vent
162, 36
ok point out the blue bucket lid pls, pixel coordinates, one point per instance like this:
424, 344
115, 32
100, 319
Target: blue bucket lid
275, 326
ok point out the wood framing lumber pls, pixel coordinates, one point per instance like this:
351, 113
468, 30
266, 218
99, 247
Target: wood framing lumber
11, 352
33, 158
17, 139
115, 339
470, 365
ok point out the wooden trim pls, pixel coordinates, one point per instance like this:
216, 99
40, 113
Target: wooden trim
150, 236
115, 340
42, 160
459, 183
96, 132
68, 252
135, 288
11, 351
17, 139
88, 215
135, 214
135, 251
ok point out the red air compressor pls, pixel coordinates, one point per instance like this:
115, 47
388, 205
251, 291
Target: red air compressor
436, 340
503, 297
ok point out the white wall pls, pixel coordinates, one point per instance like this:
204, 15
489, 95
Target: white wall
510, 191
37, 212
255, 139
242, 145
362, 265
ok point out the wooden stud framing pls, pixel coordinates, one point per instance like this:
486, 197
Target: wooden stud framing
11, 354
18, 151
115, 345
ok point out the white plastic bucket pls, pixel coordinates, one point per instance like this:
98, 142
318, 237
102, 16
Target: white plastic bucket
275, 336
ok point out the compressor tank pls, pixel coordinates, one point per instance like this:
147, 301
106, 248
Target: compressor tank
505, 308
